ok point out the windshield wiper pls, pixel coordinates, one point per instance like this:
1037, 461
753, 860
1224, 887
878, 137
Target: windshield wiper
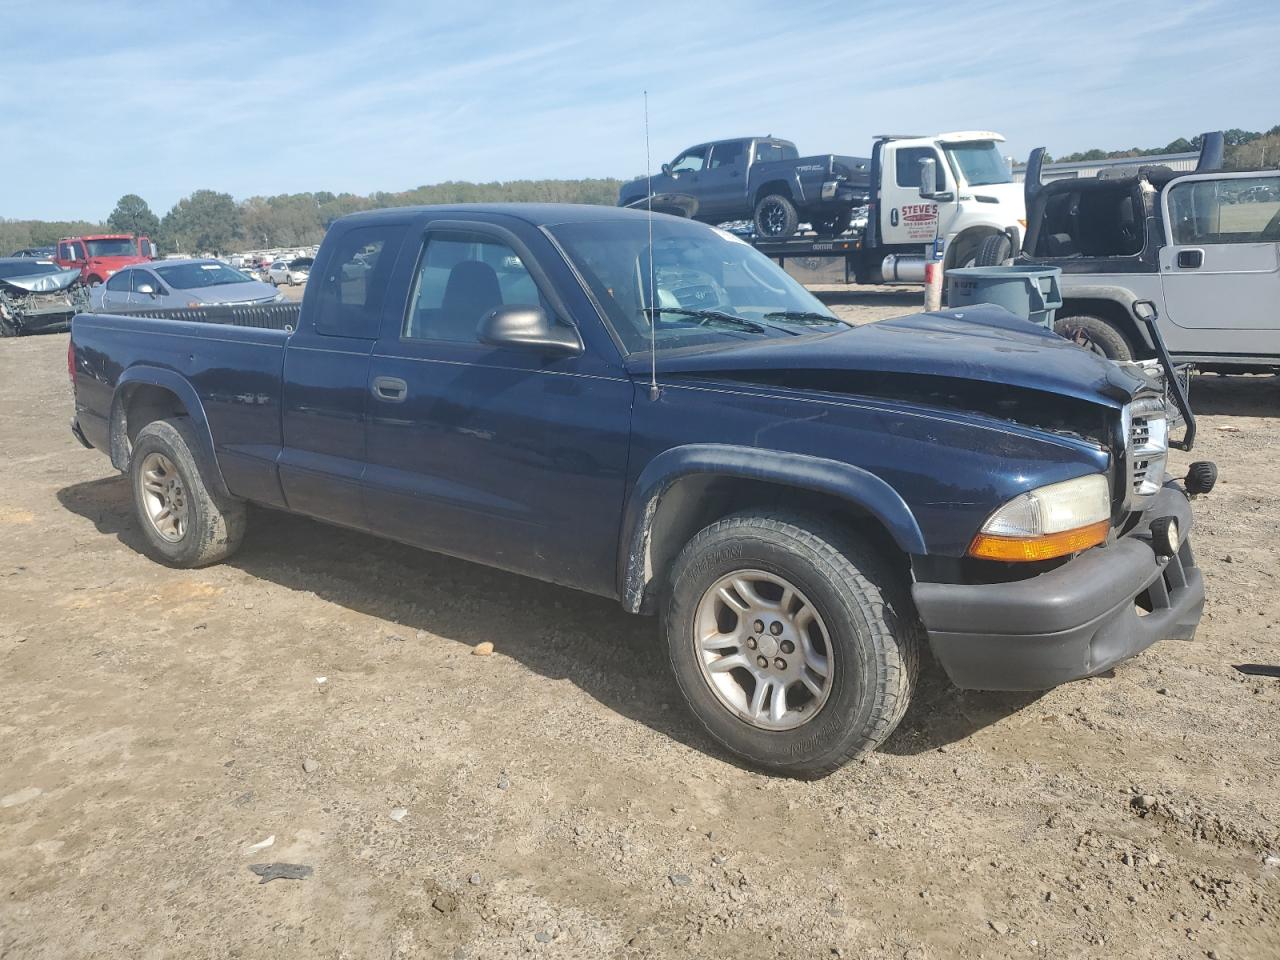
710, 316
802, 316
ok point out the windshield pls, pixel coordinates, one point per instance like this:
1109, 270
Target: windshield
710, 286
193, 276
120, 247
27, 268
979, 163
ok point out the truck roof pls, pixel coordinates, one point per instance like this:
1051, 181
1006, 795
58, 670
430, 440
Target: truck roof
99, 236
955, 136
538, 214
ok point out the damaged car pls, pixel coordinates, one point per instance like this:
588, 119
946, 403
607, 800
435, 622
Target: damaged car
648, 409
38, 295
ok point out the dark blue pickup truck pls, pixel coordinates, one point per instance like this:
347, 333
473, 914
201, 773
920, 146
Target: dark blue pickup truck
651, 410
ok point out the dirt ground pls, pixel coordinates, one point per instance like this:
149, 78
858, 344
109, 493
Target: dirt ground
555, 799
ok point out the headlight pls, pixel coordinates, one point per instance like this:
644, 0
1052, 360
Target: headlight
1047, 522
279, 298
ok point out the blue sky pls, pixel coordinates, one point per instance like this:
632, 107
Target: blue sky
114, 97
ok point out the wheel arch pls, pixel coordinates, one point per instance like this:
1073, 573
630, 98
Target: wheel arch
780, 187
685, 488
146, 394
1114, 304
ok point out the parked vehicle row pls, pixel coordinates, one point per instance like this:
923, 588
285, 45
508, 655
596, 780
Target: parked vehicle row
648, 409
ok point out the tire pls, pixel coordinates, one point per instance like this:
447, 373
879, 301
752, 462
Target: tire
1096, 335
864, 619
994, 251
776, 217
831, 224
93, 282
214, 526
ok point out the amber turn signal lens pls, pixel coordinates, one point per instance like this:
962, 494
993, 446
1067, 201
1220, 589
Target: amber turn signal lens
1046, 547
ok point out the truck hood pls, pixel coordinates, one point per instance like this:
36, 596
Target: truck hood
983, 344
1012, 204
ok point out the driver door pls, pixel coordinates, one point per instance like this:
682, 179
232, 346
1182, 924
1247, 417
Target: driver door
1220, 265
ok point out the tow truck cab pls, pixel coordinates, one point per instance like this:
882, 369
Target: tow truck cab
99, 255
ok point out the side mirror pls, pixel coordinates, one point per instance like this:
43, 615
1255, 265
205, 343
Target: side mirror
525, 327
1145, 310
928, 177
666, 168
146, 288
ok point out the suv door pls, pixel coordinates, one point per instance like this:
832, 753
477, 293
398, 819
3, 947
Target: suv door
1220, 266
510, 457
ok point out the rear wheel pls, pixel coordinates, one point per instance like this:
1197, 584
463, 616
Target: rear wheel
185, 523
797, 650
776, 216
994, 251
1096, 334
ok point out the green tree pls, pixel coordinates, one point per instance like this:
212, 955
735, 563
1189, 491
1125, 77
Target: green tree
133, 216
205, 222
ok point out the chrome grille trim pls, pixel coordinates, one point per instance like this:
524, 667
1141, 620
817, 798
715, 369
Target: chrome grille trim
1147, 447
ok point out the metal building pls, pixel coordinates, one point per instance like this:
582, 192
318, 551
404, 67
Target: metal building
1089, 168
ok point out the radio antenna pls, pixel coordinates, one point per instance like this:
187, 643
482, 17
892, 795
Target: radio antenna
654, 393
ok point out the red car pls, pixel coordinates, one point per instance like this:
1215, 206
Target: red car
99, 255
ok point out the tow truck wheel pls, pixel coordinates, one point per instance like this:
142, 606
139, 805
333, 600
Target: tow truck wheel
185, 523
796, 649
776, 216
994, 251
1095, 334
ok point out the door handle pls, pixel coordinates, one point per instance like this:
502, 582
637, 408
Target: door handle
1190, 259
391, 389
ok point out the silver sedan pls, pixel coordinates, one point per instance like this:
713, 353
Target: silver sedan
173, 284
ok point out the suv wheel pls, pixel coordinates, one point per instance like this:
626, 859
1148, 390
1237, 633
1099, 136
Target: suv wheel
776, 216
796, 650
185, 524
1095, 334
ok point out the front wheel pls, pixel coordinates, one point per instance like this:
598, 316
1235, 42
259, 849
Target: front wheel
994, 251
776, 217
796, 649
185, 523
832, 224
1095, 334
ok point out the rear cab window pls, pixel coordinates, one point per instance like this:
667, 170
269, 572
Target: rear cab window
351, 286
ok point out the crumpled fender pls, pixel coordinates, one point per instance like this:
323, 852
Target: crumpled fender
44, 282
841, 480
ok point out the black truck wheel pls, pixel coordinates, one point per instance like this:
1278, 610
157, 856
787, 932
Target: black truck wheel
185, 523
796, 650
1096, 334
994, 251
776, 216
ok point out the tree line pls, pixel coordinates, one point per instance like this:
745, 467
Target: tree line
208, 221
1241, 145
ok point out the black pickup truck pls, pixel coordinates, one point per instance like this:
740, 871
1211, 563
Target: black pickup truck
649, 409
757, 178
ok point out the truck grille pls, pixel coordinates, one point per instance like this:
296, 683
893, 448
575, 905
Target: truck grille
1147, 434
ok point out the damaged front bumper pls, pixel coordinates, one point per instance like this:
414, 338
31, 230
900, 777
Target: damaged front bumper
1078, 620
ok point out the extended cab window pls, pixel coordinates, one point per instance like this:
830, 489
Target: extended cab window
768, 151
120, 282
1239, 210
907, 165
354, 281
690, 161
461, 278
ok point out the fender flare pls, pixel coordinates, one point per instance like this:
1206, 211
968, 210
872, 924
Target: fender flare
1121, 296
843, 481
179, 386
